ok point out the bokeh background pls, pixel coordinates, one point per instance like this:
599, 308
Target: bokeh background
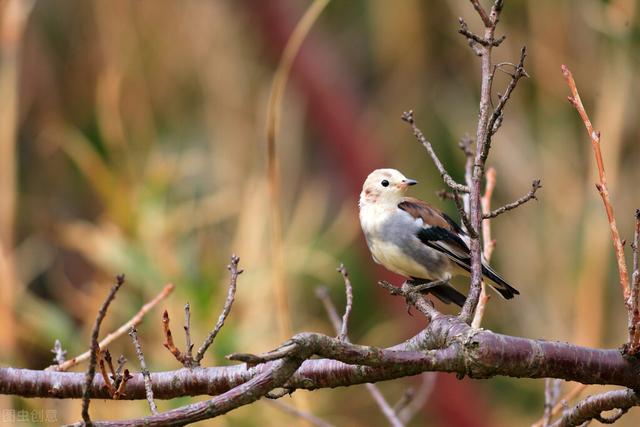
135, 131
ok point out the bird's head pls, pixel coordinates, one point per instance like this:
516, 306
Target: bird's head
386, 186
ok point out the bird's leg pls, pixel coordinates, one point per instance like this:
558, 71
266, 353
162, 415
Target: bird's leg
420, 285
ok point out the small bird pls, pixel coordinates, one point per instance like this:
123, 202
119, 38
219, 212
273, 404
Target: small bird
415, 240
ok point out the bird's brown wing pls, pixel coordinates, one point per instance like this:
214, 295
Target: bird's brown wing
439, 230
441, 233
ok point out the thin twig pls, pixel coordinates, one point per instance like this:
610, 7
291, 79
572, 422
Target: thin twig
575, 100
235, 272
551, 395
105, 375
412, 295
342, 332
531, 195
91, 370
187, 332
134, 321
342, 335
289, 409
496, 117
323, 295
384, 406
562, 403
592, 407
416, 402
145, 372
168, 339
58, 352
126, 376
489, 243
407, 116
482, 13
633, 347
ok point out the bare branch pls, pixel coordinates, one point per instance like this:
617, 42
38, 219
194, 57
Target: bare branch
496, 117
323, 294
633, 345
168, 339
103, 372
531, 195
414, 401
592, 407
407, 116
145, 372
482, 13
342, 335
187, 332
384, 406
277, 374
551, 395
59, 353
134, 321
474, 38
601, 186
91, 370
413, 296
486, 128
562, 404
235, 272
340, 328
488, 244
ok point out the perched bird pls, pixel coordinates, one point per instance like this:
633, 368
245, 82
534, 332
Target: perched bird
415, 240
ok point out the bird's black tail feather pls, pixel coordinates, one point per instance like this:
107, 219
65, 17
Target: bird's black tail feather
445, 293
499, 284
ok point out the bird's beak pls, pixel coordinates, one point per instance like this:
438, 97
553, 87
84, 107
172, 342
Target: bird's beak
408, 182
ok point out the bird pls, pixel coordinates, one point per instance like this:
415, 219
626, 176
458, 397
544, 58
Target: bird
415, 240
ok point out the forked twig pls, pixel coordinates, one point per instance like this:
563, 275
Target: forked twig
94, 348
235, 272
134, 321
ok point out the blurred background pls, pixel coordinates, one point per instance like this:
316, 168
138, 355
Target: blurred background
132, 138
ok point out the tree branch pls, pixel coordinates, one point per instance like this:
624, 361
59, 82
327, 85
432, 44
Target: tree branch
489, 243
235, 272
134, 321
531, 195
634, 318
575, 100
145, 372
407, 116
458, 348
93, 346
592, 407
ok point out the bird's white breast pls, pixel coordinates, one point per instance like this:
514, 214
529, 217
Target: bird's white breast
373, 217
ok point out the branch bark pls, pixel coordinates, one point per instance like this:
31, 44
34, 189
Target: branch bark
447, 345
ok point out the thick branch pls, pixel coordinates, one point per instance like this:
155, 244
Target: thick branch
479, 354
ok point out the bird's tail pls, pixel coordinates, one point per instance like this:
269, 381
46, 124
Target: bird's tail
445, 292
499, 284
448, 294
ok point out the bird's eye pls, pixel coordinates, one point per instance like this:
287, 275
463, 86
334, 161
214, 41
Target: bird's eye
385, 183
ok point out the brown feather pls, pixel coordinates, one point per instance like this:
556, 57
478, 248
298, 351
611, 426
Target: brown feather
430, 215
